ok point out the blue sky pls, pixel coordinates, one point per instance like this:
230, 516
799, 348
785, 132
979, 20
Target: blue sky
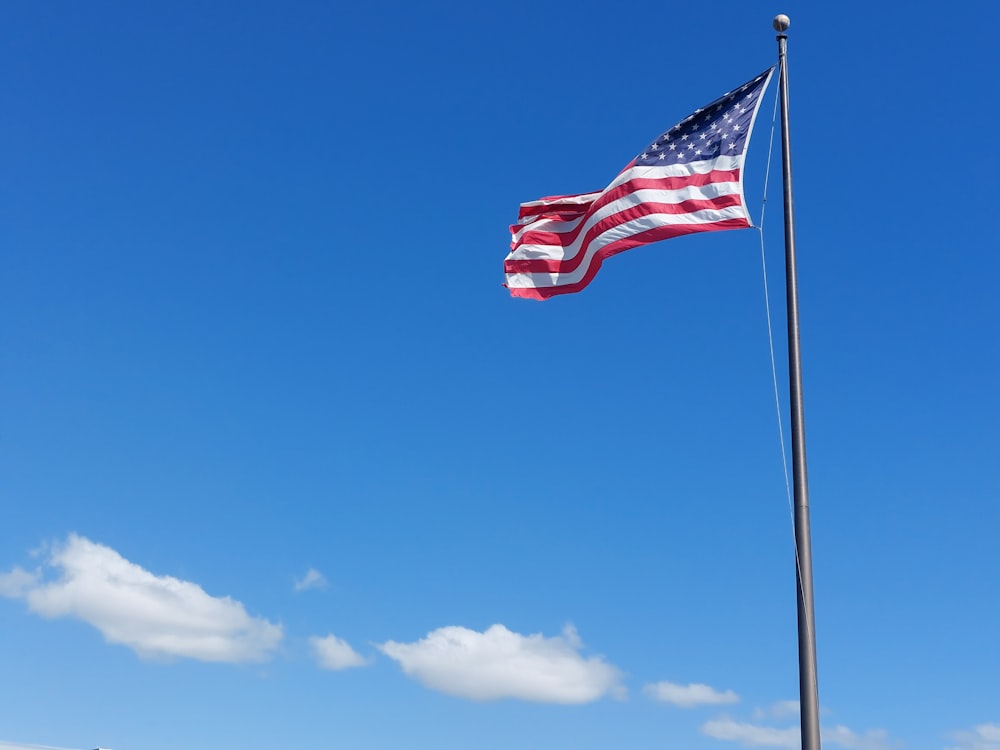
283, 464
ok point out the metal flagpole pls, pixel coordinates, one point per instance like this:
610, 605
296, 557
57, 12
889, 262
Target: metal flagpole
808, 686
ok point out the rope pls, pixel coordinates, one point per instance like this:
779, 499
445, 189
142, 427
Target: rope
810, 634
770, 330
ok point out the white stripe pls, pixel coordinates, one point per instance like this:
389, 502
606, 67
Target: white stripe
722, 163
548, 225
530, 280
563, 200
704, 166
703, 192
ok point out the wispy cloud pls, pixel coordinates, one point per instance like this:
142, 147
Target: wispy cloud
313, 579
981, 737
14, 584
335, 653
689, 696
873, 739
751, 735
155, 616
778, 710
758, 735
499, 663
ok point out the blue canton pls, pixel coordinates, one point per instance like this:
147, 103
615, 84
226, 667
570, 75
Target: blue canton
718, 129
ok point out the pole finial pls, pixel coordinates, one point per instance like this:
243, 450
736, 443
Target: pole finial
781, 23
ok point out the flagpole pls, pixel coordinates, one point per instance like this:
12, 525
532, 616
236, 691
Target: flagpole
808, 684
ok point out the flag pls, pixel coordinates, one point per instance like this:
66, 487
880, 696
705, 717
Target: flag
690, 179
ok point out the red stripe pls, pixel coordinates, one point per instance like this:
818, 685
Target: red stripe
665, 183
565, 239
569, 211
531, 265
640, 183
644, 238
682, 181
563, 216
553, 203
676, 182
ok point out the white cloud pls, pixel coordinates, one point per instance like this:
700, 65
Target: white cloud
15, 583
981, 737
155, 616
751, 735
756, 735
689, 696
873, 739
779, 710
498, 663
334, 653
313, 579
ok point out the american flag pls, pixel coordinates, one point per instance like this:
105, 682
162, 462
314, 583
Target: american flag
688, 180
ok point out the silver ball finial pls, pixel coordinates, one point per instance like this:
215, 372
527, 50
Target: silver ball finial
781, 23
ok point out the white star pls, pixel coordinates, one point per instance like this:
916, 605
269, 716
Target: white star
673, 146
684, 137
663, 155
